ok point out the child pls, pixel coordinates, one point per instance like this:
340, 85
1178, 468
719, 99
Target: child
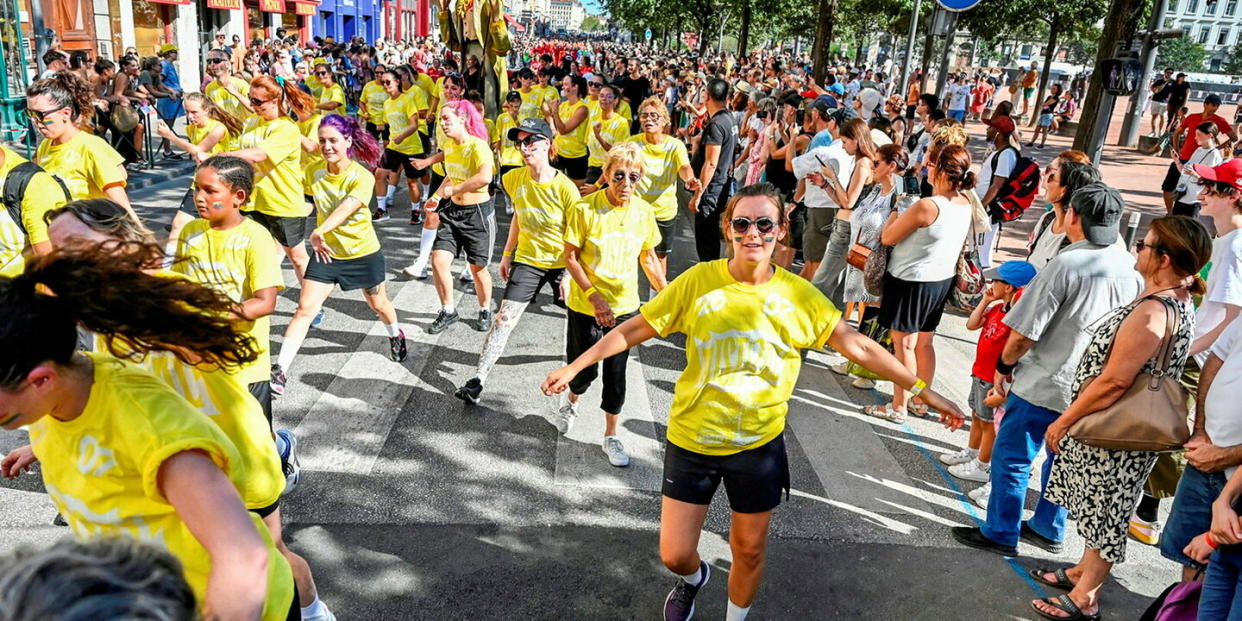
974, 463
1045, 122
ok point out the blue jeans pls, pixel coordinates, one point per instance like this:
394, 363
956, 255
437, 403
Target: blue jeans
1191, 515
960, 115
1221, 597
1018, 441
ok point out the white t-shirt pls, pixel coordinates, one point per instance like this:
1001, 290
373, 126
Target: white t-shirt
1224, 285
1224, 419
833, 155
995, 166
959, 95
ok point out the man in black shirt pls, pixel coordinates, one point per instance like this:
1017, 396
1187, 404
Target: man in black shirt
1160, 101
635, 87
1178, 92
711, 163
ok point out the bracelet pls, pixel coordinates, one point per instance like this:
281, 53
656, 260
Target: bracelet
1208, 539
1005, 368
917, 388
588, 292
508, 253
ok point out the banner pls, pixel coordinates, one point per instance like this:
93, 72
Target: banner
272, 6
172, 1
304, 8
225, 5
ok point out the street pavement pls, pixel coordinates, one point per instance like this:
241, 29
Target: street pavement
413, 505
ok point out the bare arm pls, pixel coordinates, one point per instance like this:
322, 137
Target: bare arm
846, 197
254, 155
975, 321
654, 271
261, 304
1202, 343
900, 226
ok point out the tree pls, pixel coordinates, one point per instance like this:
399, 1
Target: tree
1121, 24
1182, 53
1233, 62
591, 23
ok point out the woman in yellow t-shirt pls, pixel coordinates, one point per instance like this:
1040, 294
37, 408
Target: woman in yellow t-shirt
371, 106
274, 146
347, 250
61, 107
453, 88
122, 453
569, 117
607, 128
403, 112
534, 251
210, 129
332, 97
745, 321
508, 156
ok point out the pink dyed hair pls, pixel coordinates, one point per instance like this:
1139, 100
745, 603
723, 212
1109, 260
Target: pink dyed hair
470, 117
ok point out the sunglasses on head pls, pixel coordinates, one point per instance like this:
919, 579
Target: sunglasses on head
530, 141
620, 176
741, 225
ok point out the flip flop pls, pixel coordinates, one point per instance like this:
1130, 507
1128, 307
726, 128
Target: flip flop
883, 412
1064, 604
1062, 580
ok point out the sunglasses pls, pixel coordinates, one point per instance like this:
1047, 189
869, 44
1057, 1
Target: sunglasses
595, 84
1140, 245
321, 73
40, 116
741, 226
620, 176
649, 115
216, 61
256, 102
530, 141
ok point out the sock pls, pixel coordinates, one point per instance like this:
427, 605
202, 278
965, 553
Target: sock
394, 328
695, 578
424, 245
984, 466
392, 191
735, 612
288, 351
315, 609
449, 308
382, 203
972, 451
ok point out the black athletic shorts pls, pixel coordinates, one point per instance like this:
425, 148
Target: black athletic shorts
526, 280
268, 510
593, 173
573, 167
753, 479
910, 306
464, 227
288, 232
262, 392
397, 161
436, 180
1171, 178
668, 230
380, 133
350, 274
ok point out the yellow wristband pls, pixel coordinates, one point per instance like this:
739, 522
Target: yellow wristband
508, 253
588, 292
918, 387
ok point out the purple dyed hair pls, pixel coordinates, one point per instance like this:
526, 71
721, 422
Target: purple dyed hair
364, 147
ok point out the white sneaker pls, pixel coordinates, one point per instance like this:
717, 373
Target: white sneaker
972, 470
565, 416
963, 456
326, 615
841, 368
616, 452
417, 270
863, 383
980, 496
466, 275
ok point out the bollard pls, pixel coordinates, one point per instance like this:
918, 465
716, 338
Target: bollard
1132, 228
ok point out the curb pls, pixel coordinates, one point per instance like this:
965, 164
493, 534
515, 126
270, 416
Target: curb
163, 172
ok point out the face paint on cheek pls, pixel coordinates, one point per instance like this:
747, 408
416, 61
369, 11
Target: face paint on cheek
767, 239
738, 238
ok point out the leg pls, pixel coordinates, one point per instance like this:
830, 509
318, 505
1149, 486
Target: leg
614, 387
307, 593
441, 263
1049, 518
378, 300
494, 343
1085, 593
707, 235
828, 275
310, 301
925, 356
1020, 436
482, 285
904, 344
987, 437
680, 526
1221, 597
748, 541
976, 432
299, 258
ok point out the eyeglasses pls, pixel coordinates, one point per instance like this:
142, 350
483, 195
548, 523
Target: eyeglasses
321, 73
40, 116
256, 102
649, 115
607, 97
386, 82
741, 226
595, 84
530, 141
216, 61
1140, 245
620, 177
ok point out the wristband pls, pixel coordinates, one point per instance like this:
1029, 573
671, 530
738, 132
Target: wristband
508, 253
587, 294
1208, 539
917, 388
1005, 368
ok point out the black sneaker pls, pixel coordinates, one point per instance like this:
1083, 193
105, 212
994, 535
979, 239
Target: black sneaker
1029, 535
380, 215
442, 322
396, 346
485, 320
974, 537
470, 391
279, 379
416, 217
679, 605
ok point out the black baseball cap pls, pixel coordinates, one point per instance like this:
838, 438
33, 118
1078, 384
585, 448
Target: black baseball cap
1099, 207
539, 127
1212, 100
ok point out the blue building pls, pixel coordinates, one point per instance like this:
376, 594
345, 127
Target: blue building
343, 19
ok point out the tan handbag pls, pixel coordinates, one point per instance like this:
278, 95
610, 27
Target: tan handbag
1150, 416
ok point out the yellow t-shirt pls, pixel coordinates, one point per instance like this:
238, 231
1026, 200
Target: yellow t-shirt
373, 97
462, 160
549, 92
573, 144
197, 135
313, 83
355, 237
278, 179
101, 469
659, 183
237, 262
742, 353
42, 195
12, 243
623, 107
224, 99
310, 129
532, 103
510, 155
433, 89
540, 211
610, 240
87, 165
422, 101
333, 93
398, 112
615, 131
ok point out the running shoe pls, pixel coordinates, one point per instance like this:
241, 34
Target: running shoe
380, 215
973, 470
442, 322
416, 217
326, 615
863, 383
467, 275
616, 452
396, 346
485, 320
279, 379
960, 457
323, 312
679, 605
981, 495
1143, 531
470, 391
289, 459
417, 270
841, 368
565, 416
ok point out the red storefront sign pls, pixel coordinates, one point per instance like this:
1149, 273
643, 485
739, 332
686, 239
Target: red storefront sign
272, 6
171, 1
225, 5
305, 8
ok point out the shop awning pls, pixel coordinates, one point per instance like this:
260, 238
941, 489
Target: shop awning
272, 6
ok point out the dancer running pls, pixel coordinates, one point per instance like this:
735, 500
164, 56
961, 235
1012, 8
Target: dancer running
665, 160
607, 128
608, 235
745, 321
210, 129
569, 117
453, 89
347, 250
534, 251
403, 110
122, 453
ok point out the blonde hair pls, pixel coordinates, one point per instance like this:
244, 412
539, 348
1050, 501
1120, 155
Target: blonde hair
626, 154
658, 105
231, 124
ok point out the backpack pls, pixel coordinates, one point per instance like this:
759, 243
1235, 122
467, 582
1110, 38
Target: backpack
1018, 192
15, 189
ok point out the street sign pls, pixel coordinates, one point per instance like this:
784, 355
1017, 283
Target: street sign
647, 34
957, 5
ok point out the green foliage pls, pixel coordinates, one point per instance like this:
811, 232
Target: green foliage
1182, 53
591, 23
1233, 62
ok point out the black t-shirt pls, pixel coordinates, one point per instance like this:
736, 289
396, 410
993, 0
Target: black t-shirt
1160, 90
1177, 93
635, 90
721, 130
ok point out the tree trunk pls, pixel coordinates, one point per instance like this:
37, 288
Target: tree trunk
929, 43
1054, 31
823, 38
743, 35
860, 42
1118, 26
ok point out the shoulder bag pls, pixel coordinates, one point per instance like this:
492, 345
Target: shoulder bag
1151, 415
876, 262
968, 282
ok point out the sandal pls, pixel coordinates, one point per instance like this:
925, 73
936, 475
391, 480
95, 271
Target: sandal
882, 411
1062, 580
1064, 604
922, 411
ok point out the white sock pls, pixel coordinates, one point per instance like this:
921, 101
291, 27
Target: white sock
394, 328
984, 466
695, 578
735, 612
450, 308
392, 191
316, 608
288, 351
424, 245
972, 451
382, 203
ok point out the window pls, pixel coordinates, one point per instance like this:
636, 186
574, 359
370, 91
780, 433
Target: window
1204, 32
1222, 37
1192, 7
1172, 6
1231, 7
1209, 8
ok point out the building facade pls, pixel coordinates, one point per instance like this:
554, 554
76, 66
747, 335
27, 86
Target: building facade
1214, 24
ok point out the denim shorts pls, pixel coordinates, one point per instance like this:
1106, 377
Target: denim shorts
1191, 515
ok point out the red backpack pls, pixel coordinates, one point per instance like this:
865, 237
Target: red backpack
1018, 192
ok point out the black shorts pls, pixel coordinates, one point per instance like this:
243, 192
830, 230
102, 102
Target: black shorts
1171, 178
396, 161
668, 230
426, 142
573, 167
187, 204
910, 110
350, 274
909, 306
263, 512
288, 232
436, 180
753, 479
526, 280
262, 392
593, 173
464, 227
380, 133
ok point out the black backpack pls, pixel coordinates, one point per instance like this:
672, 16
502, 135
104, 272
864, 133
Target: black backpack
15, 189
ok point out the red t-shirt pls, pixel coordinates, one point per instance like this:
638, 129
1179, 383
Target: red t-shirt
1193, 120
992, 340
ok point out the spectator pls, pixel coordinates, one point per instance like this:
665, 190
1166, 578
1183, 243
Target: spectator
1185, 146
821, 112
1179, 92
959, 97
821, 214
1064, 175
1047, 114
993, 174
711, 165
1089, 278
169, 107
844, 191
1100, 486
55, 61
1212, 149
1029, 79
1221, 198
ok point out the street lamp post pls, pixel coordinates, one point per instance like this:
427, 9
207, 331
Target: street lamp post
905, 63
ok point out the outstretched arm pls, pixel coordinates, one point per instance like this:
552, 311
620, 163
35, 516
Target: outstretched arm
629, 334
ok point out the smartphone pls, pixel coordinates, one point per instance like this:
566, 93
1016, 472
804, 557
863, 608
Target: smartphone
146, 109
912, 185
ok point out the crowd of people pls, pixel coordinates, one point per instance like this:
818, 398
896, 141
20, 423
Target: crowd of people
850, 216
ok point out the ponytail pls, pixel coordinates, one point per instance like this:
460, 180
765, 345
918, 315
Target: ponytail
291, 98
1196, 286
363, 146
68, 91
231, 124
470, 117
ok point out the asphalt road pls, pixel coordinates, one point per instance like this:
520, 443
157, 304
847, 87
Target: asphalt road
414, 506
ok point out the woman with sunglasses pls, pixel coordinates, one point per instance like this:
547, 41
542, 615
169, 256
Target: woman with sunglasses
745, 322
534, 251
403, 109
274, 146
85, 163
607, 128
371, 108
604, 235
569, 117
228, 91
594, 85
453, 88
331, 95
